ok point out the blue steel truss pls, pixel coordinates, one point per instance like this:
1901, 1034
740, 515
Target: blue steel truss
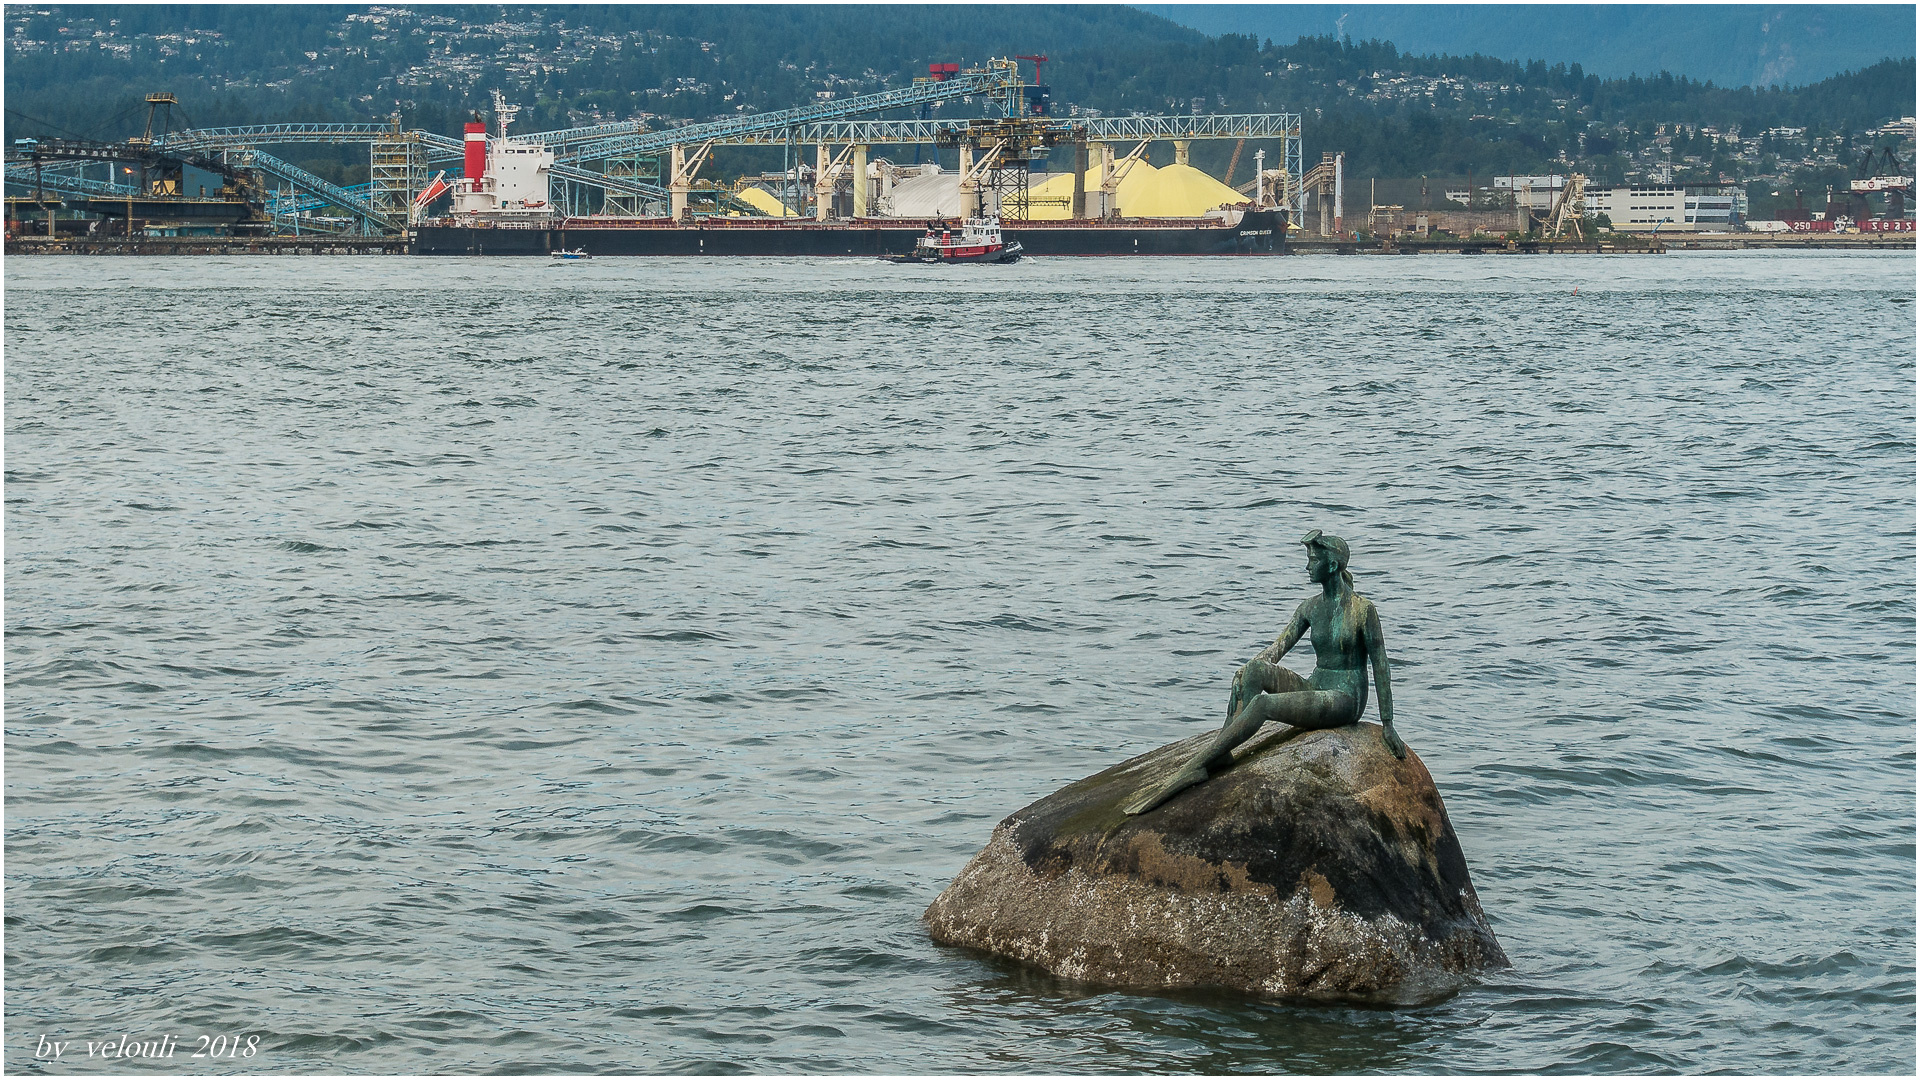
601, 140
270, 135
66, 183
255, 158
297, 201
568, 136
654, 142
825, 121
1098, 129
618, 185
441, 149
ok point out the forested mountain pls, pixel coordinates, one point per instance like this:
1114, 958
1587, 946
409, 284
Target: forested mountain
82, 70
1727, 44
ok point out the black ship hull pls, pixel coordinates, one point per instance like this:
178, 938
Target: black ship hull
1261, 232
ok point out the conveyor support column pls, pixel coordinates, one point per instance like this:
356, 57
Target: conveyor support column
969, 188
678, 185
822, 183
1109, 187
1180, 147
859, 181
1080, 167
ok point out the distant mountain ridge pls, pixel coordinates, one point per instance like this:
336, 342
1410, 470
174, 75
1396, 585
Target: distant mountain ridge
1732, 45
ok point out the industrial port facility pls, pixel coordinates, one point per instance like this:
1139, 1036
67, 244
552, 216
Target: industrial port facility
620, 189
844, 186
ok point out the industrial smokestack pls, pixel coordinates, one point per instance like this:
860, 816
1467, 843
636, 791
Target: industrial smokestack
476, 162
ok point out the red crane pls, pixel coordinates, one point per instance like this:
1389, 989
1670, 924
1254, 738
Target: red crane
1037, 61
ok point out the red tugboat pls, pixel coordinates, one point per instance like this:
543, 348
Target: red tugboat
977, 242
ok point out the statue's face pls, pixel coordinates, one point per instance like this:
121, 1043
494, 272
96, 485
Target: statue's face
1320, 567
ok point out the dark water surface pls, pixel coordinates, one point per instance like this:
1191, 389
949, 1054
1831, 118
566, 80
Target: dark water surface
486, 665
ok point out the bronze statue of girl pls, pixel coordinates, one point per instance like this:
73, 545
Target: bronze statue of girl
1345, 632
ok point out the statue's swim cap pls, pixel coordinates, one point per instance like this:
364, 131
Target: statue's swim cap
1333, 545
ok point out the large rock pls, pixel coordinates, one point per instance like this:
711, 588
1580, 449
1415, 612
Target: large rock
1317, 867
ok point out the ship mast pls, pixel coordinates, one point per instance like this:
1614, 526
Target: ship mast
503, 112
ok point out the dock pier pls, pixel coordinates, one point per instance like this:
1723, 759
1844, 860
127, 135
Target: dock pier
206, 245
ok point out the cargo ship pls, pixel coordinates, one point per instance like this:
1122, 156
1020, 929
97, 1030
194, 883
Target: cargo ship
1255, 232
501, 207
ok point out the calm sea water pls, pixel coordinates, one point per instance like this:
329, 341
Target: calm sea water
486, 665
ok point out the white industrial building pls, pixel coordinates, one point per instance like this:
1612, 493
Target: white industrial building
1669, 208
1636, 208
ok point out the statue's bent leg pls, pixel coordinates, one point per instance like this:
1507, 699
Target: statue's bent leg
1309, 709
1261, 677
1306, 708
1313, 710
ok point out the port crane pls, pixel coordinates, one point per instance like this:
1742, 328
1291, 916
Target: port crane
1882, 170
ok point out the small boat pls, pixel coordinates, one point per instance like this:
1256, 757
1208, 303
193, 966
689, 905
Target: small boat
978, 241
577, 253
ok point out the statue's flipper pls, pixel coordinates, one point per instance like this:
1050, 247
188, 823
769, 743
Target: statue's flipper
1179, 782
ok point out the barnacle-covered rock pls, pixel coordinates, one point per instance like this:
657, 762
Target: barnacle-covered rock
1317, 867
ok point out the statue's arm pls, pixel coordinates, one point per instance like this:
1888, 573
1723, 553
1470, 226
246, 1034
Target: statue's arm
1243, 690
1288, 638
1377, 652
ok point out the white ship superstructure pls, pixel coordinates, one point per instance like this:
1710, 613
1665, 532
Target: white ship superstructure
507, 179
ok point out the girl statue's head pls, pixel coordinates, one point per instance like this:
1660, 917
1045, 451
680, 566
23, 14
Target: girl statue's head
1333, 549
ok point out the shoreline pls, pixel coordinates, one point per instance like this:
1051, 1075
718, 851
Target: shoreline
398, 245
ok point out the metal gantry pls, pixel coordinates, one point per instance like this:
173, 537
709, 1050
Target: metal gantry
1104, 129
640, 172
397, 171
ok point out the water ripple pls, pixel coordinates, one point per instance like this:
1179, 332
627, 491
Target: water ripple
440, 665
